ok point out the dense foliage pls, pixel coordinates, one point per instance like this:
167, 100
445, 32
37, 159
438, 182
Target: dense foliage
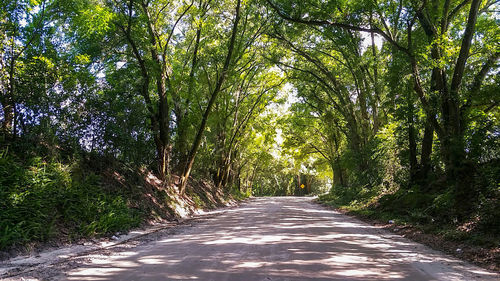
401, 99
39, 199
384, 104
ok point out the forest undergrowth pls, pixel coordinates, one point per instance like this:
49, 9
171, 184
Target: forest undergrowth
63, 197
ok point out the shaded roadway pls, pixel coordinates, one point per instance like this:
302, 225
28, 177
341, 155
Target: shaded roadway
279, 238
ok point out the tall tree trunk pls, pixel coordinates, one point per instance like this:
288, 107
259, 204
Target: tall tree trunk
376, 86
9, 105
227, 171
412, 142
252, 178
8, 102
201, 129
182, 113
425, 155
458, 170
163, 111
238, 179
338, 178
160, 71
159, 119
8, 115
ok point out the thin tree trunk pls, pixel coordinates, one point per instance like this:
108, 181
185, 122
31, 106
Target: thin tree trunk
8, 116
412, 143
298, 185
252, 178
425, 156
182, 114
197, 140
375, 85
8, 102
163, 106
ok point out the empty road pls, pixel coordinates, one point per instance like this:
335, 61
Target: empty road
286, 238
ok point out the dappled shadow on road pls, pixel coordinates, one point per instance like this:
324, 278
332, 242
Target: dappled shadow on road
274, 239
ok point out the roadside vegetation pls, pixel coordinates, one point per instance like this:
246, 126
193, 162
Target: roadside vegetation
42, 199
64, 198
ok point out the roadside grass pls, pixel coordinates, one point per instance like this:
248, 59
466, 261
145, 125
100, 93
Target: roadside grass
42, 199
61, 198
238, 195
422, 212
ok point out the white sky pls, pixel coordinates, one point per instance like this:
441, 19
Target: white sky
367, 41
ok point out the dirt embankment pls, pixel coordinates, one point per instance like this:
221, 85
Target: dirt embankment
155, 202
163, 210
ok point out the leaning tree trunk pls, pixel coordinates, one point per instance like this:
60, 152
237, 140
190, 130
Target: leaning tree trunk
164, 133
182, 113
218, 86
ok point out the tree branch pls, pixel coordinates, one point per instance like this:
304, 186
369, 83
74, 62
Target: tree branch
338, 25
479, 78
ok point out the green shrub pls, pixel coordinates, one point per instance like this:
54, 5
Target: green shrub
442, 207
489, 214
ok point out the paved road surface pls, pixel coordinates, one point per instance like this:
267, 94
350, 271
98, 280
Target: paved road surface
283, 238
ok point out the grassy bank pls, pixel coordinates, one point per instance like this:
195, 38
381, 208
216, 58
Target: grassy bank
426, 218
64, 199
